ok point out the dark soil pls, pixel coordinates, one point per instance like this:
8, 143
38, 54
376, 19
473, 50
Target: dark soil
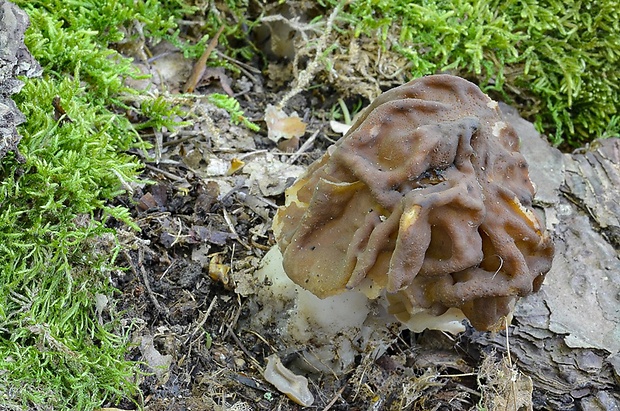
179, 290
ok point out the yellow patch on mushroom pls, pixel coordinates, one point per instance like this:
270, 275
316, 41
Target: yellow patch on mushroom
410, 216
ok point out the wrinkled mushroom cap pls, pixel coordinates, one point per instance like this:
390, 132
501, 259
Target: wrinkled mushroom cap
426, 198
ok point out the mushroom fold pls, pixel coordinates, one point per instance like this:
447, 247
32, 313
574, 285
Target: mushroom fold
426, 198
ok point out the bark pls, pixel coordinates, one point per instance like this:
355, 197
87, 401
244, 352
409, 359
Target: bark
15, 60
567, 336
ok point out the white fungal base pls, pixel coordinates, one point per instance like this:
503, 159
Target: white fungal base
330, 332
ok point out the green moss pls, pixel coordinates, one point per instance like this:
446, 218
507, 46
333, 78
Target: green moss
233, 108
56, 250
556, 59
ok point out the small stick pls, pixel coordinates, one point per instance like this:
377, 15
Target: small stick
333, 401
240, 63
231, 227
514, 371
253, 360
165, 173
244, 68
303, 148
139, 267
203, 321
201, 65
147, 284
186, 136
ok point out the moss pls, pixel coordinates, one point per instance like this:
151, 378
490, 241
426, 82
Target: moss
233, 108
556, 59
56, 248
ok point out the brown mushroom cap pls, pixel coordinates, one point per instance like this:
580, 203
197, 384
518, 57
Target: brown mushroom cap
427, 197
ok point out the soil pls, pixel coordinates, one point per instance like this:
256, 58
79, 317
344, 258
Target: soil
205, 216
196, 238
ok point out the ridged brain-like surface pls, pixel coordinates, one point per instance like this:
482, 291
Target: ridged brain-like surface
427, 197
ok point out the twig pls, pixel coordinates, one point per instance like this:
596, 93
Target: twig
47, 337
232, 260
232, 191
359, 385
263, 339
305, 146
245, 68
333, 401
178, 236
201, 65
203, 321
507, 341
124, 183
259, 246
251, 153
240, 63
512, 370
147, 284
161, 277
159, 144
187, 135
268, 202
310, 351
467, 374
245, 351
231, 227
165, 173
227, 321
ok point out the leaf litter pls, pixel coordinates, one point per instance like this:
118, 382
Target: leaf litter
205, 220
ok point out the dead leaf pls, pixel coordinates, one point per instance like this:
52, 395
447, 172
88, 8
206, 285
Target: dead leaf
280, 125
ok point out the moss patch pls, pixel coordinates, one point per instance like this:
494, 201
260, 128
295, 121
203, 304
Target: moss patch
56, 248
556, 59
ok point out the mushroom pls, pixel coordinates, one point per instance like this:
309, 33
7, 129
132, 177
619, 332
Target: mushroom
427, 202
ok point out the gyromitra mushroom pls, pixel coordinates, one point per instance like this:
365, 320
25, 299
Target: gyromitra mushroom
427, 200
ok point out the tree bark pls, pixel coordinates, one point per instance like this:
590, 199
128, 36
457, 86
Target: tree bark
567, 336
15, 60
